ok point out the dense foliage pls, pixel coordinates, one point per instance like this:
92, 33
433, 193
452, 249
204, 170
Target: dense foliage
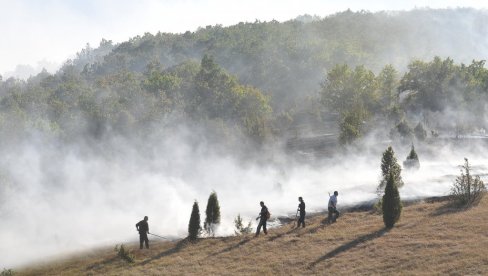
212, 218
194, 227
392, 205
254, 80
390, 167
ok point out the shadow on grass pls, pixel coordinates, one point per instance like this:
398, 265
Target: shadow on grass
273, 238
349, 245
179, 245
230, 248
451, 207
101, 264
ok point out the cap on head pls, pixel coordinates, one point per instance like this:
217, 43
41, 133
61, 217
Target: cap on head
300, 198
146, 218
262, 203
336, 193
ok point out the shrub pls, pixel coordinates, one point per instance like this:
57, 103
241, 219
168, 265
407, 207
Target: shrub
194, 224
212, 212
124, 254
240, 229
467, 190
7, 272
392, 206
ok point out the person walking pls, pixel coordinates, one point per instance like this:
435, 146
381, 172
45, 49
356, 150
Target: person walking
263, 217
143, 228
301, 209
333, 213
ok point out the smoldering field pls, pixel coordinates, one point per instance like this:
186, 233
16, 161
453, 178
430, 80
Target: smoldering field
59, 198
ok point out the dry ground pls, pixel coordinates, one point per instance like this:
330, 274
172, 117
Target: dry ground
430, 238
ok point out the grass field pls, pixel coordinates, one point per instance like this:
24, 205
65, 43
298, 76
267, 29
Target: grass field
430, 238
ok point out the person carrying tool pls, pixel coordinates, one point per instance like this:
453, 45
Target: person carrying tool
143, 228
263, 217
301, 209
333, 213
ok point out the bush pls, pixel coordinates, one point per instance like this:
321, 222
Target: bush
467, 190
212, 214
392, 206
240, 229
7, 272
123, 253
194, 224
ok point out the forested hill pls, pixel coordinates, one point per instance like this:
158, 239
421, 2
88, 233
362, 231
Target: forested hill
254, 79
288, 60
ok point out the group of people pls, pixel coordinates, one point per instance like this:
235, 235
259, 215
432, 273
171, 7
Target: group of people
333, 213
143, 226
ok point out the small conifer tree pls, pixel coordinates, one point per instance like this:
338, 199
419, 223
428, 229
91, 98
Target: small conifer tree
212, 213
412, 161
194, 225
392, 206
420, 132
389, 165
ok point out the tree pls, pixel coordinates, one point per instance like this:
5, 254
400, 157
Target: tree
467, 190
389, 165
350, 127
392, 206
412, 161
212, 213
194, 225
420, 132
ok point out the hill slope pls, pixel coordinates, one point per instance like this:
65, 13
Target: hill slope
431, 238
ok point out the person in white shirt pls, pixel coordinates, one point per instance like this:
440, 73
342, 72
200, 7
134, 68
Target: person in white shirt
333, 213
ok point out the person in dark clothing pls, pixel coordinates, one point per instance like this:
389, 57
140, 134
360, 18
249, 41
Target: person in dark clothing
263, 217
301, 209
143, 228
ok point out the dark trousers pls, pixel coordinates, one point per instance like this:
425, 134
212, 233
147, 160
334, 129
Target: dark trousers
262, 223
143, 239
333, 215
301, 220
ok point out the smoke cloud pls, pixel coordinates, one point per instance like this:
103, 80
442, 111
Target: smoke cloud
61, 198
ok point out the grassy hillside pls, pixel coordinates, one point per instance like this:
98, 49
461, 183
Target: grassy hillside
430, 238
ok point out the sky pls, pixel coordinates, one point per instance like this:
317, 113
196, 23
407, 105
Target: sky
37, 34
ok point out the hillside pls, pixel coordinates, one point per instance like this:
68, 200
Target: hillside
430, 238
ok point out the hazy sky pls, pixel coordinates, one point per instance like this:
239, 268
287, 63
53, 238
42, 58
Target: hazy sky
45, 33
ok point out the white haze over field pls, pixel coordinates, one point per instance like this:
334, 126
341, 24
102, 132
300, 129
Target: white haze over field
60, 198
43, 34
70, 198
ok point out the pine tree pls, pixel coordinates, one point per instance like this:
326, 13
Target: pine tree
389, 165
194, 225
392, 206
212, 214
412, 161
420, 132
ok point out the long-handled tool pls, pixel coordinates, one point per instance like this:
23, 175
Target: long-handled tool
296, 218
158, 236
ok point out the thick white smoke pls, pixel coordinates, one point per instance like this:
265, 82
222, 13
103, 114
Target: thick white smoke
60, 199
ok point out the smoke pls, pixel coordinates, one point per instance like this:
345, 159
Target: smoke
59, 198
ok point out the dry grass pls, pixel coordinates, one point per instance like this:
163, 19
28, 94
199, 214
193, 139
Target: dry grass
430, 238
